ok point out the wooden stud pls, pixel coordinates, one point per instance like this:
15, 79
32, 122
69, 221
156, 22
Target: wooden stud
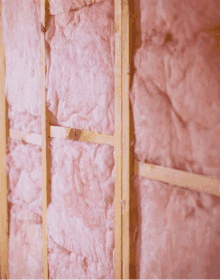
45, 142
118, 139
122, 148
178, 178
126, 140
3, 173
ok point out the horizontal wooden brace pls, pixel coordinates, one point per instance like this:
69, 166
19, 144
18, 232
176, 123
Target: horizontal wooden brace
65, 133
155, 172
32, 138
176, 177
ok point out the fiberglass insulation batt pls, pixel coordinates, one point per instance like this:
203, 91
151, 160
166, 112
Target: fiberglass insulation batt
175, 232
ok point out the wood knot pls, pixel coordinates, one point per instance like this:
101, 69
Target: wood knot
43, 29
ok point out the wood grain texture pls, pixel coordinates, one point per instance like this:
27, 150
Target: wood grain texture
81, 135
125, 140
118, 139
178, 178
45, 142
155, 172
64, 133
3, 173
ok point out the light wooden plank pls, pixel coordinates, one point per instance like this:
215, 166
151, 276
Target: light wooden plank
45, 142
178, 178
126, 140
81, 135
64, 133
3, 174
60, 132
118, 139
32, 138
89, 136
167, 175
18, 135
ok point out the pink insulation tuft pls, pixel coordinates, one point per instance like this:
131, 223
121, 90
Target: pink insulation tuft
175, 232
21, 28
81, 68
25, 200
81, 213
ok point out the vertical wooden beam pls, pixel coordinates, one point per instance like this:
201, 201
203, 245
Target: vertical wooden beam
118, 140
122, 140
45, 142
125, 139
3, 174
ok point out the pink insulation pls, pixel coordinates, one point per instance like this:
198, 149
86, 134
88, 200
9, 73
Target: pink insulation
81, 215
22, 49
175, 232
81, 68
175, 97
25, 199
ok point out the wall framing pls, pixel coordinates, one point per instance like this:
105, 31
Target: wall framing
126, 159
45, 142
3, 173
120, 140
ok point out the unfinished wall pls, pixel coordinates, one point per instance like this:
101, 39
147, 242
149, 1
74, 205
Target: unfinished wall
81, 212
175, 105
175, 97
22, 45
